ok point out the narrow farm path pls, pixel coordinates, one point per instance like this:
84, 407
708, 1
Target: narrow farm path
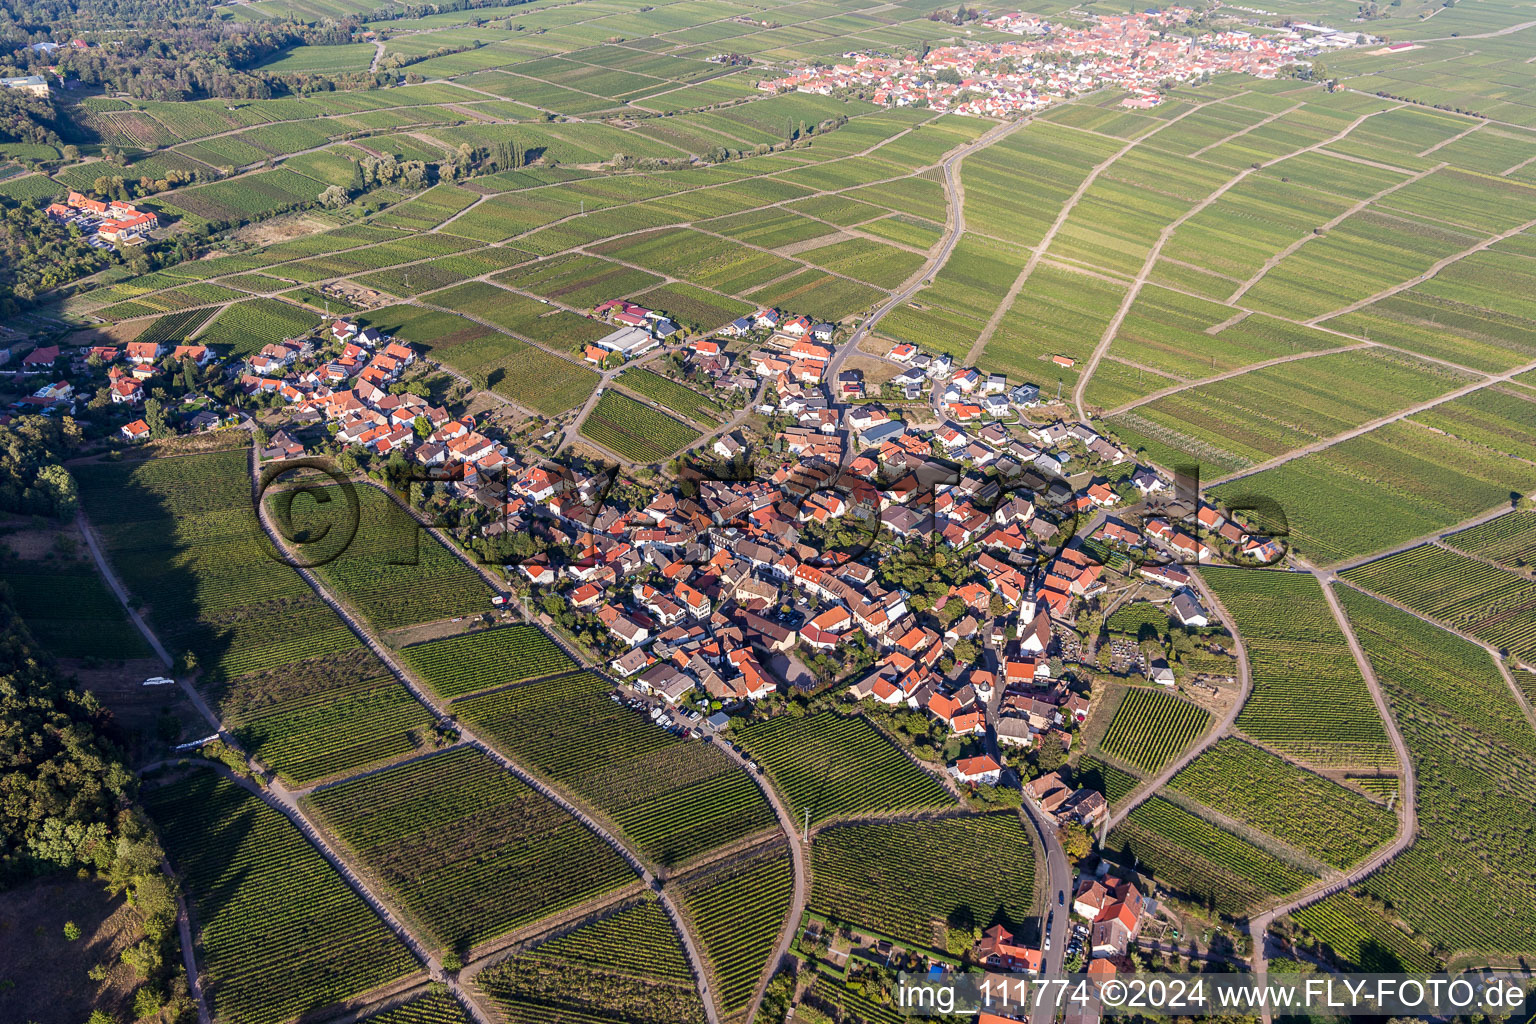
1228, 375
954, 227
1406, 807
1435, 268
1326, 226
1216, 732
802, 872
1366, 428
1050, 235
407, 679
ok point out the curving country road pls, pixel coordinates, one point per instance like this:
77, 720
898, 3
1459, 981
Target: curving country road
954, 227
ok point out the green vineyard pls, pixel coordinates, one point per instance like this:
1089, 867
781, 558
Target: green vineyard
70, 610
635, 430
1151, 727
1495, 605
455, 666
1474, 758
432, 1008
674, 798
1309, 699
394, 571
468, 848
831, 766
1510, 539
261, 896
853, 868
1355, 935
1200, 863
279, 666
738, 912
1305, 810
628, 966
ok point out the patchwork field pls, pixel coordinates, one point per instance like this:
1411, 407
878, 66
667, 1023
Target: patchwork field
471, 851
674, 799
1309, 699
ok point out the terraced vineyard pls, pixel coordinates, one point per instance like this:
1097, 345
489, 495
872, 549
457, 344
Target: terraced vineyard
1356, 935
675, 799
393, 571
457, 665
634, 430
470, 850
1309, 699
280, 667
1151, 727
1200, 863
630, 965
70, 610
851, 868
738, 911
1510, 539
830, 766
1474, 757
1309, 812
260, 895
1493, 604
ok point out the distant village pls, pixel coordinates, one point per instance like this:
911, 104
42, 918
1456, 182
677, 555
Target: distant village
1134, 52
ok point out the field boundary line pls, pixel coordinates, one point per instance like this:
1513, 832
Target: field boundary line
1155, 253
1366, 428
1327, 225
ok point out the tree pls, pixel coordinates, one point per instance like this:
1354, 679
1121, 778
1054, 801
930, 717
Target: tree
334, 196
1075, 841
154, 416
71, 931
1049, 756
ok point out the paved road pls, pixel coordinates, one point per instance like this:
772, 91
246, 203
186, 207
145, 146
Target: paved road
954, 227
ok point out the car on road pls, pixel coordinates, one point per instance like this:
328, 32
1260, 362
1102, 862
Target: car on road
500, 599
1061, 898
